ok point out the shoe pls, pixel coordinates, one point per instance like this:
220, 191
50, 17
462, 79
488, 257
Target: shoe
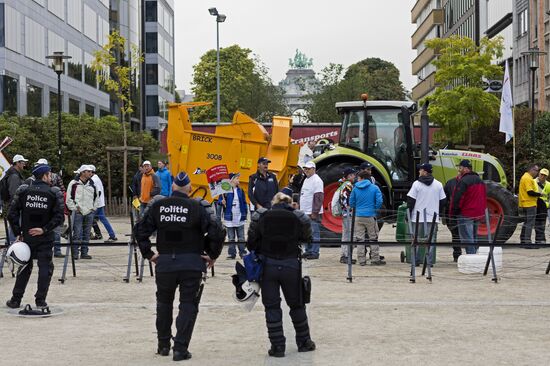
163, 350
59, 255
362, 263
111, 240
382, 257
181, 355
85, 256
343, 260
276, 351
312, 256
378, 263
230, 257
307, 346
13, 303
75, 257
40, 304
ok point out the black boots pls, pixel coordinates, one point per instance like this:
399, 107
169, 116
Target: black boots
13, 303
306, 346
181, 355
276, 351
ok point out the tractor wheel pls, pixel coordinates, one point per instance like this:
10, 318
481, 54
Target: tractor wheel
500, 203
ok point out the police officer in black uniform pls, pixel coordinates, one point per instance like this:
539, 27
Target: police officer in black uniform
183, 252
276, 234
35, 211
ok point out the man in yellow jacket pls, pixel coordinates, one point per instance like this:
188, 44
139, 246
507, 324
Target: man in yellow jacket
542, 206
528, 196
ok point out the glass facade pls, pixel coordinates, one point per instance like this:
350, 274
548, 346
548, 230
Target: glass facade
53, 101
74, 14
152, 74
75, 63
90, 23
151, 45
34, 41
90, 109
150, 11
13, 34
57, 7
9, 94
90, 77
34, 100
55, 43
74, 106
152, 105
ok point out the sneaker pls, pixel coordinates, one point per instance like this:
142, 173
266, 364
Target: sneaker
59, 255
362, 263
85, 256
40, 304
13, 303
111, 240
307, 346
230, 257
343, 260
276, 351
75, 257
312, 256
181, 355
377, 263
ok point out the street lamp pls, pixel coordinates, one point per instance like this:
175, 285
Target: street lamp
534, 60
220, 18
58, 65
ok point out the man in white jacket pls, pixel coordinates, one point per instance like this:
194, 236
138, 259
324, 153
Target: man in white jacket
82, 201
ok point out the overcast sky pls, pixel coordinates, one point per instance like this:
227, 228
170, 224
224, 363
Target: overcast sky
342, 31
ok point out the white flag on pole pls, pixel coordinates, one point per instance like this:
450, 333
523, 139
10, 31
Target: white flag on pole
506, 105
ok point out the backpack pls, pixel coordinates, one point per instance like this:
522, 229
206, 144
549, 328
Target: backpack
335, 206
4, 187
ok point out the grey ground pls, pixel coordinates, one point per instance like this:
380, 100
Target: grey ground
379, 319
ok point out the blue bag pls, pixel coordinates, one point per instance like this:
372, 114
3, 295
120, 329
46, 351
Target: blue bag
254, 267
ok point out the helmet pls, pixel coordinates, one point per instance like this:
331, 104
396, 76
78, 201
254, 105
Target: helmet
19, 254
247, 294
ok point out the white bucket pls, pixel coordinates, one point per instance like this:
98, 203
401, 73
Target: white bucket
475, 263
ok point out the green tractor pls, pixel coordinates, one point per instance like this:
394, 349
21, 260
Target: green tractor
383, 133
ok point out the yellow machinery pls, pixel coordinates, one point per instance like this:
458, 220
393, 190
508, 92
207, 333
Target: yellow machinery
238, 145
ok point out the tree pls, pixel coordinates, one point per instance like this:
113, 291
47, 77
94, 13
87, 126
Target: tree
244, 86
459, 102
378, 78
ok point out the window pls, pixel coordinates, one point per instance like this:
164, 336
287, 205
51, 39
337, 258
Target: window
74, 106
9, 94
104, 113
150, 11
57, 7
75, 63
90, 23
53, 102
523, 23
103, 32
41, 2
152, 105
74, 14
55, 43
34, 40
163, 108
152, 74
13, 34
34, 100
90, 109
151, 45
105, 2
89, 74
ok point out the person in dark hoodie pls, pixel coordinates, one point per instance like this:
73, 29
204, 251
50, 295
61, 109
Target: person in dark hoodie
426, 195
452, 221
366, 199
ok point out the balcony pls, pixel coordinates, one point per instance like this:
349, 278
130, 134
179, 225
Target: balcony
436, 17
422, 60
417, 9
424, 87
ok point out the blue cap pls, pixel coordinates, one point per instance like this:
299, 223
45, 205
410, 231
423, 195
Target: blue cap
465, 163
263, 160
349, 171
365, 165
182, 179
41, 169
427, 167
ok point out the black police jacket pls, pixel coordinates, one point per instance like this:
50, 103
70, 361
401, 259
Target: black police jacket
186, 229
277, 233
36, 206
262, 189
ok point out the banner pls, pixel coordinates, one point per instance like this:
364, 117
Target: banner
218, 180
506, 107
4, 165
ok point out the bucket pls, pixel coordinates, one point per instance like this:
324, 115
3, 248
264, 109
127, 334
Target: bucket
475, 263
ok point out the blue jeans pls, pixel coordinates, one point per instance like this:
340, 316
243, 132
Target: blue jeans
529, 214
467, 229
316, 230
57, 239
237, 232
82, 225
100, 214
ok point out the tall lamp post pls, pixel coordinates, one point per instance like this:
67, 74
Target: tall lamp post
58, 65
220, 18
534, 60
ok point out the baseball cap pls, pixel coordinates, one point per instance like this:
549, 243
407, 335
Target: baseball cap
263, 159
41, 161
465, 163
309, 165
92, 167
40, 170
427, 167
231, 175
182, 179
18, 158
544, 171
349, 171
146, 162
365, 165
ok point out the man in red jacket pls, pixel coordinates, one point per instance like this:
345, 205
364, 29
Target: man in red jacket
468, 203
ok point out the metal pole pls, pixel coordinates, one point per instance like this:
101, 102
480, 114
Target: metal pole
60, 160
350, 247
217, 71
533, 109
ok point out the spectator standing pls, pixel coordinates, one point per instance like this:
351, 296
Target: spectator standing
82, 201
165, 178
262, 185
542, 207
469, 201
452, 221
136, 182
528, 195
346, 186
11, 181
234, 216
100, 213
426, 194
366, 167
311, 203
366, 199
149, 185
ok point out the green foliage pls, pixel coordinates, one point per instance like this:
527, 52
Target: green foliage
84, 142
376, 77
459, 103
244, 86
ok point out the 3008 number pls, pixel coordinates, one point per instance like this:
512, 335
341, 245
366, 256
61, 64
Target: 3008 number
213, 156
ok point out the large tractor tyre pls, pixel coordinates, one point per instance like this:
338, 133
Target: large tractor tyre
500, 202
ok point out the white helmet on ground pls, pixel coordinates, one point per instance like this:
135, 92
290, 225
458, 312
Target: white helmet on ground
19, 255
247, 294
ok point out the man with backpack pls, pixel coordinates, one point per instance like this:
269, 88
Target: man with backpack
10, 182
340, 208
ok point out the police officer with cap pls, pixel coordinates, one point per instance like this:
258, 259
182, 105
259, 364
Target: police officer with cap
276, 234
35, 211
189, 237
262, 185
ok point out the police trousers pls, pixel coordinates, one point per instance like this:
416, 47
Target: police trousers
167, 282
274, 278
43, 255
